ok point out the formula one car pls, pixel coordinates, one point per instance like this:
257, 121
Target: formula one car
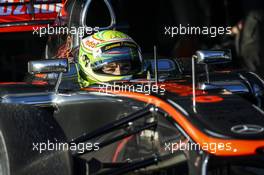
168, 126
168, 121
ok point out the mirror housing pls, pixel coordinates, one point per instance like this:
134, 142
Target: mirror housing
48, 66
213, 56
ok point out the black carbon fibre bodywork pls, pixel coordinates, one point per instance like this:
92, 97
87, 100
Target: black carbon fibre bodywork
79, 112
217, 119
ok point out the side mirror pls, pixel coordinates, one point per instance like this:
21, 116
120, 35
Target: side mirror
213, 56
207, 57
48, 66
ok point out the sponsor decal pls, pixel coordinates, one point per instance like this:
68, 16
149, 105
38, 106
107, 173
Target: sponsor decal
247, 129
208, 99
25, 9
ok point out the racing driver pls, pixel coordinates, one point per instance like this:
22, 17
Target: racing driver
108, 56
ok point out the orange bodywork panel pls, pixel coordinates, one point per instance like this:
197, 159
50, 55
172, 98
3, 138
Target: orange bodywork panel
239, 147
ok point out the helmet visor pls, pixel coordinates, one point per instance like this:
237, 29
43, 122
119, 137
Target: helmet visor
118, 61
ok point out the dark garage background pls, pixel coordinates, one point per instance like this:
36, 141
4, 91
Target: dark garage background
147, 20
16, 49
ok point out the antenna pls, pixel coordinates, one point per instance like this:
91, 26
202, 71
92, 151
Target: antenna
207, 73
58, 82
193, 82
156, 65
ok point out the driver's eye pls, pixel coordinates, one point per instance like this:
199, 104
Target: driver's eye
110, 67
